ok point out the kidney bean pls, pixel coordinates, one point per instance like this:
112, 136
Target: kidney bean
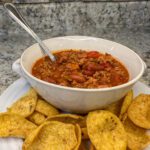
88, 72
49, 79
95, 67
93, 54
106, 65
78, 78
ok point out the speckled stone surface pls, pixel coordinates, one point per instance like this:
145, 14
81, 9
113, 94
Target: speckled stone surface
12, 45
78, 16
47, 1
124, 22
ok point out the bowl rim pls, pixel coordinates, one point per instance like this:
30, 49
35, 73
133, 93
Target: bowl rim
88, 89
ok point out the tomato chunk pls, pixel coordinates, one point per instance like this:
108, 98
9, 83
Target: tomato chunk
93, 54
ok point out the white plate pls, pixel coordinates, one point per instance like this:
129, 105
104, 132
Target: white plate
17, 89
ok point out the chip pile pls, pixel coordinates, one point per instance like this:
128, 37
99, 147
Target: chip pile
120, 126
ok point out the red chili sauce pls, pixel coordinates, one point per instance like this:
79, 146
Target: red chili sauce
81, 69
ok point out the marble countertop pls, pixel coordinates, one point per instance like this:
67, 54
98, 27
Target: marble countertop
47, 1
13, 44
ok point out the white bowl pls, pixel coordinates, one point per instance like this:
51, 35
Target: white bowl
80, 100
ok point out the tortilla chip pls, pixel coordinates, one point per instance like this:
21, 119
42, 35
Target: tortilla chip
106, 131
25, 105
125, 105
52, 135
138, 111
45, 108
137, 137
12, 125
37, 118
148, 116
115, 107
78, 135
69, 118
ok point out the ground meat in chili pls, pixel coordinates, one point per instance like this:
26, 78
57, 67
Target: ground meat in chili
81, 69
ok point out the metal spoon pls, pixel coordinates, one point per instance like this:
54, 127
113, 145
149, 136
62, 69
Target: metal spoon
16, 16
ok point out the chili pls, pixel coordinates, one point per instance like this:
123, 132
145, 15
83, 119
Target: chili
81, 69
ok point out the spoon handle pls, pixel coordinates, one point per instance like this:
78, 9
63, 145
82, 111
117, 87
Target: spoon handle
16, 16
